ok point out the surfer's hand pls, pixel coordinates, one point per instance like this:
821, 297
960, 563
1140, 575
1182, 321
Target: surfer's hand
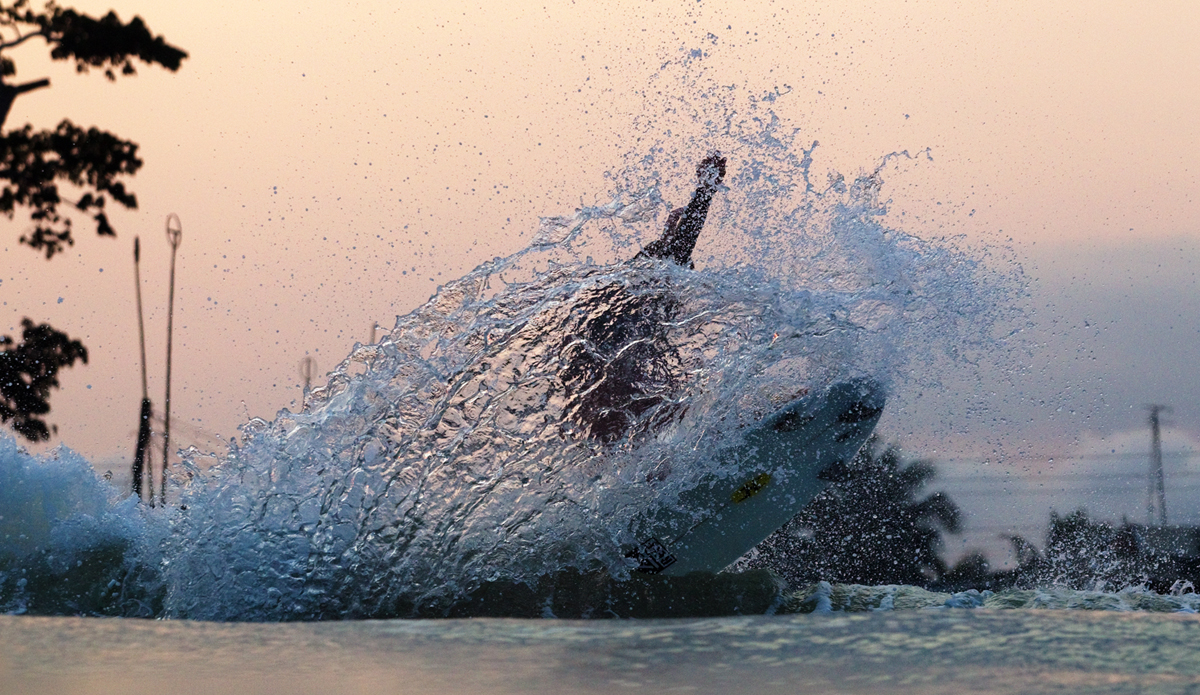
711, 170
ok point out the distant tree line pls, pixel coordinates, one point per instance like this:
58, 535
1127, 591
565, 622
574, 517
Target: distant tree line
1086, 554
876, 524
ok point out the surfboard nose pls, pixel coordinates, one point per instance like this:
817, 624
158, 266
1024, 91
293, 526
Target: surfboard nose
861, 402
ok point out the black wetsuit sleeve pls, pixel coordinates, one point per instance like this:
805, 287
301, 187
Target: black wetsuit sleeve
683, 229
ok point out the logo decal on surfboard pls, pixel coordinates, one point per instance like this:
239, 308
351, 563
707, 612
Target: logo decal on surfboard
751, 487
652, 556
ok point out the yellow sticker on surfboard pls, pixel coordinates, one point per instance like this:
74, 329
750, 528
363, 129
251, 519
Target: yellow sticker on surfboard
751, 487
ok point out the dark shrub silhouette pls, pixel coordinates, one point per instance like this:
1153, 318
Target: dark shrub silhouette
28, 370
875, 526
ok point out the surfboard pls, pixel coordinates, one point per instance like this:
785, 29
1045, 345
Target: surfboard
780, 466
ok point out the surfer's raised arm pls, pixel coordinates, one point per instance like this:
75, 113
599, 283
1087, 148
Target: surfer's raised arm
684, 224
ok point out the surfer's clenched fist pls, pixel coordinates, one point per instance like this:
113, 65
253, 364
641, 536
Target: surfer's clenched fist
711, 170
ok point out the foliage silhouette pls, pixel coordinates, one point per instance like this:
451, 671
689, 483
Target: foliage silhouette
871, 527
1086, 554
28, 370
32, 163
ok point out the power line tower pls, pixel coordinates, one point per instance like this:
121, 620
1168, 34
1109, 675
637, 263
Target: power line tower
1156, 496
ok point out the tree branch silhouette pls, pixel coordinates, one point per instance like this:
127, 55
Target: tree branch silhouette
33, 164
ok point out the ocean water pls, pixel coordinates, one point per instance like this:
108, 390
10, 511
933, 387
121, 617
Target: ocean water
932, 651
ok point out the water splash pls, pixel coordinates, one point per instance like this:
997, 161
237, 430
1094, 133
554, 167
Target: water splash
448, 456
824, 597
69, 543
445, 455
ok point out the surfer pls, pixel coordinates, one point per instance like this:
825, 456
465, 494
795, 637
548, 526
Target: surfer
619, 362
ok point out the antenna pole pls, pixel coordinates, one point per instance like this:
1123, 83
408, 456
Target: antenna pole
308, 368
1156, 490
174, 237
143, 437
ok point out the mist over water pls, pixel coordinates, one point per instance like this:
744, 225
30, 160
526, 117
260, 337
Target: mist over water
450, 454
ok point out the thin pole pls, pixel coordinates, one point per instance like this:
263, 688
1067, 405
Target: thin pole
174, 237
142, 457
143, 438
137, 276
308, 368
1156, 489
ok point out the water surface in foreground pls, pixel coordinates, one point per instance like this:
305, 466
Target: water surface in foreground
939, 651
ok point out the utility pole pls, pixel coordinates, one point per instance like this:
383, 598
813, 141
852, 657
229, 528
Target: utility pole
1156, 496
174, 237
308, 369
143, 437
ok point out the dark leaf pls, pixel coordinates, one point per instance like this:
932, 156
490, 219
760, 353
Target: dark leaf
33, 163
28, 370
106, 42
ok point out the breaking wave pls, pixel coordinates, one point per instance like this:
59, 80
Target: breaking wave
449, 458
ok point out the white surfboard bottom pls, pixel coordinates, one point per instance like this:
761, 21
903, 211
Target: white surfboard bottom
763, 483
